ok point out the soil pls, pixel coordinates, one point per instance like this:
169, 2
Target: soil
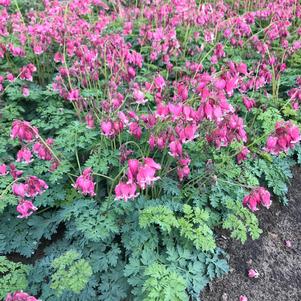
279, 266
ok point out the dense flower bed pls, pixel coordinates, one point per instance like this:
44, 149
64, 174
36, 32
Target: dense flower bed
131, 131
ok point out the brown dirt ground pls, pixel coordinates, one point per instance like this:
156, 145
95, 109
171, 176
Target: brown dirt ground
278, 265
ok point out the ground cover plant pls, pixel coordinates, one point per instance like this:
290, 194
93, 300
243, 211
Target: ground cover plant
131, 131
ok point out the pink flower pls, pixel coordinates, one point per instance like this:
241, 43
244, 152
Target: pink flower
73, 95
288, 243
84, 183
135, 130
242, 155
107, 128
3, 170
5, 2
27, 72
257, 196
126, 191
146, 176
24, 155
35, 186
89, 121
243, 298
23, 130
14, 172
25, 208
265, 197
19, 189
159, 82
25, 91
175, 149
139, 97
253, 273
20, 296
10, 77
285, 136
248, 102
42, 151
151, 163
183, 172
133, 168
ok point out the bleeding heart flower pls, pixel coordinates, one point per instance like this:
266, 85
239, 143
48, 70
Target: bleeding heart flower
23, 130
85, 184
24, 155
25, 208
288, 243
3, 170
243, 298
19, 189
125, 191
20, 296
253, 273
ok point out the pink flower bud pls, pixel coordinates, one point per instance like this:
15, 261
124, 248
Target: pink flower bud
243, 298
3, 170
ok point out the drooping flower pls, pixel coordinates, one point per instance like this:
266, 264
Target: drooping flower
159, 82
23, 130
139, 97
243, 298
25, 208
133, 168
20, 296
175, 149
253, 273
24, 155
84, 183
89, 121
19, 189
257, 196
3, 170
285, 136
35, 186
25, 91
135, 130
126, 191
27, 71
5, 2
242, 156
107, 128
146, 176
42, 151
14, 172
248, 102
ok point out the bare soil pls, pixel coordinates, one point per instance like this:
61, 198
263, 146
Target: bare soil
279, 266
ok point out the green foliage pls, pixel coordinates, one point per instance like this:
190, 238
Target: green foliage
13, 276
241, 221
193, 226
70, 273
160, 215
268, 119
163, 285
276, 174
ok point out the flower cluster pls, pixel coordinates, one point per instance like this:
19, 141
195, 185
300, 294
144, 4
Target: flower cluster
32, 187
27, 188
284, 138
20, 296
258, 196
138, 176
